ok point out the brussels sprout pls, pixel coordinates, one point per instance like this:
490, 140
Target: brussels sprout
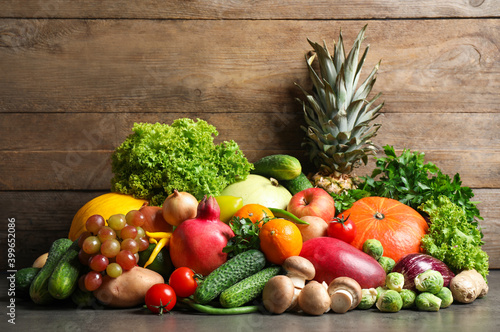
380, 290
429, 281
373, 248
408, 296
446, 297
427, 302
395, 281
387, 263
389, 301
368, 298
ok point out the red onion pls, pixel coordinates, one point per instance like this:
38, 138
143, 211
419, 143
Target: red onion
413, 264
154, 219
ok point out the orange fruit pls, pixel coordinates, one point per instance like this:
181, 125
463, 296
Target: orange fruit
280, 239
254, 212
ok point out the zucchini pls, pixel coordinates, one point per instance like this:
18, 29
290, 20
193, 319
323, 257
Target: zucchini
39, 288
162, 262
298, 184
24, 278
278, 166
64, 278
247, 289
235, 269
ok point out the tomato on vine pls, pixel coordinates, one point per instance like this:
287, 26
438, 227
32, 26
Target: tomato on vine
342, 228
160, 298
184, 281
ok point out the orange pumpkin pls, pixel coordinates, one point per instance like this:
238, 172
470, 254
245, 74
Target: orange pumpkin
397, 226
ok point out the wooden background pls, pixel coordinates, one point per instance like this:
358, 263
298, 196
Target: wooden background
75, 76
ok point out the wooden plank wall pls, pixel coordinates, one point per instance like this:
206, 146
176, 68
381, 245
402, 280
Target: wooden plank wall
75, 76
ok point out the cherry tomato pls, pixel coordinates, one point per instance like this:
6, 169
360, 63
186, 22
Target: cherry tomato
183, 281
342, 228
160, 298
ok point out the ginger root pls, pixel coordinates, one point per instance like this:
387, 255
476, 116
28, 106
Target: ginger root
467, 286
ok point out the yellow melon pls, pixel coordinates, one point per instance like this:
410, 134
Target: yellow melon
105, 205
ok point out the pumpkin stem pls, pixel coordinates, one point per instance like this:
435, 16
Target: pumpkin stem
379, 216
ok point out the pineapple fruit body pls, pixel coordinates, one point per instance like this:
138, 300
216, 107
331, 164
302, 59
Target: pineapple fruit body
338, 114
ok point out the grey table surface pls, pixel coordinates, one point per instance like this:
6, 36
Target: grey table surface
481, 315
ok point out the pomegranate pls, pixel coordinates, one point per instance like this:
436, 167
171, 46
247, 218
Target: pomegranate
197, 243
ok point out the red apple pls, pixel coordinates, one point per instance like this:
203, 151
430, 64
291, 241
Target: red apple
312, 202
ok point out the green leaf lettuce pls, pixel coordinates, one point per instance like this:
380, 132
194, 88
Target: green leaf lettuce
157, 158
452, 239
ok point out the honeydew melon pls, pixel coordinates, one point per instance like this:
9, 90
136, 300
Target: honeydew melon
257, 189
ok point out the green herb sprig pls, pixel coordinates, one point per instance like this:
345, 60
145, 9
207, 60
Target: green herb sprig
408, 179
346, 198
246, 235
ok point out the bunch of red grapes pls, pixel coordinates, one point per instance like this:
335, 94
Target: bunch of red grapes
111, 249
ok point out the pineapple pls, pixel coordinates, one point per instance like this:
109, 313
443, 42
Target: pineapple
338, 115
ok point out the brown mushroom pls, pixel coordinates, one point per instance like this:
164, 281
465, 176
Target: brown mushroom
294, 307
299, 269
345, 294
278, 294
314, 299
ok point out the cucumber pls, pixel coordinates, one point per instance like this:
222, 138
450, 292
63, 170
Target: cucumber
235, 269
247, 289
64, 278
39, 288
298, 184
278, 166
83, 298
24, 278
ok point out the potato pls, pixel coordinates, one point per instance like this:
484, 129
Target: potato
129, 289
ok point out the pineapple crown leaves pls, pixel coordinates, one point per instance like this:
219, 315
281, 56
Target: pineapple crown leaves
338, 114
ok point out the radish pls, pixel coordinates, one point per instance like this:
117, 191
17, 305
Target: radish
334, 258
197, 243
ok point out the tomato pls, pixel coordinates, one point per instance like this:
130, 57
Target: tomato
342, 229
183, 281
160, 298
